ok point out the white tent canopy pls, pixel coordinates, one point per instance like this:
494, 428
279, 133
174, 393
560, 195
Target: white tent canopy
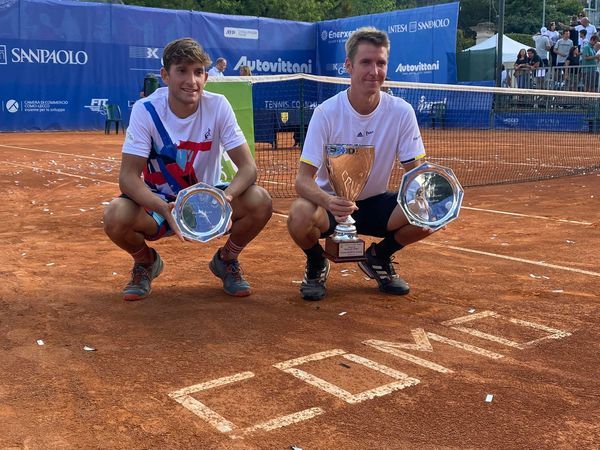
510, 47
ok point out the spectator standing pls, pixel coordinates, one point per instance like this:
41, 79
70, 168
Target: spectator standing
505, 78
219, 68
589, 28
573, 32
542, 45
588, 61
521, 70
151, 84
576, 26
572, 71
597, 49
245, 71
562, 47
554, 36
536, 68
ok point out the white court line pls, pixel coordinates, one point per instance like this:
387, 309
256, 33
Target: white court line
512, 258
495, 255
280, 422
58, 172
402, 380
506, 163
274, 182
525, 215
60, 153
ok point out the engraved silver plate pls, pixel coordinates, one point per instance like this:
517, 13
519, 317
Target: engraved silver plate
430, 196
202, 212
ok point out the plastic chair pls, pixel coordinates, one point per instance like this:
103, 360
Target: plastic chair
113, 115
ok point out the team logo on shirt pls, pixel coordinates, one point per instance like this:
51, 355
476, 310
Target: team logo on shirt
207, 135
365, 133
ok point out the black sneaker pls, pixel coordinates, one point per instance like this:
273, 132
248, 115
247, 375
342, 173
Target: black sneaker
382, 270
315, 277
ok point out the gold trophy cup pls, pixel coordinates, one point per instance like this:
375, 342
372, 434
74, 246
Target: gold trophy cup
349, 167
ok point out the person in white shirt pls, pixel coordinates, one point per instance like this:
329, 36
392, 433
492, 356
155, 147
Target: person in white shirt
589, 28
562, 47
358, 115
584, 24
175, 139
219, 68
542, 45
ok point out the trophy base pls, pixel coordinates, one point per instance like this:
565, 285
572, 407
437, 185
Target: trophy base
340, 252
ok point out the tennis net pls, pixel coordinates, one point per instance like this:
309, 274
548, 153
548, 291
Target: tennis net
485, 135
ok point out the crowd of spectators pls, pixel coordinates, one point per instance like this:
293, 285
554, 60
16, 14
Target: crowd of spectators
565, 60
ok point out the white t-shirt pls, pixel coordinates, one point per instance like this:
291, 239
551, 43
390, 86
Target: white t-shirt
214, 72
542, 45
199, 139
392, 129
591, 30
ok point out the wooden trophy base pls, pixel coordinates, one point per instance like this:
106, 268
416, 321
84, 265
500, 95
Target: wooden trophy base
341, 252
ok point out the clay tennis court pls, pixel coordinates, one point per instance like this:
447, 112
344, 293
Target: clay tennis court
503, 307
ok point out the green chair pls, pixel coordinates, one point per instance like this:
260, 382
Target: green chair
113, 115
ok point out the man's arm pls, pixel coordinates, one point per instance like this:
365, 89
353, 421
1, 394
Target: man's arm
131, 184
412, 164
246, 173
307, 188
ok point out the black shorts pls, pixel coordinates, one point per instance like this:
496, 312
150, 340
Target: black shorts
372, 216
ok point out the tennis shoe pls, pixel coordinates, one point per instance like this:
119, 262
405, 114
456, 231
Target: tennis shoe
231, 274
140, 285
382, 270
315, 276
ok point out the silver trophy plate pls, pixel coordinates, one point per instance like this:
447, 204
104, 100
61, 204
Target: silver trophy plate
202, 212
430, 196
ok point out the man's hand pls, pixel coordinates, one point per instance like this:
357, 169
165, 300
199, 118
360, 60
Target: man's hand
166, 213
340, 207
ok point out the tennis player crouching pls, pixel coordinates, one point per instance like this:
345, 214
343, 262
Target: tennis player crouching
359, 115
175, 139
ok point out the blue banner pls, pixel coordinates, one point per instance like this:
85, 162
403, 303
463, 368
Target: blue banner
422, 41
62, 61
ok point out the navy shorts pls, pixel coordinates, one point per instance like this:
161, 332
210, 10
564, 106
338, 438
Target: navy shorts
372, 216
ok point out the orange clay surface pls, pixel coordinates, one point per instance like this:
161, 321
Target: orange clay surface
504, 303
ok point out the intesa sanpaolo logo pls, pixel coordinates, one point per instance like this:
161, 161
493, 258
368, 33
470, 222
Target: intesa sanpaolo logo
46, 56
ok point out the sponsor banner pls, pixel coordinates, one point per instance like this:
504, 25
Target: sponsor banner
56, 85
538, 121
423, 43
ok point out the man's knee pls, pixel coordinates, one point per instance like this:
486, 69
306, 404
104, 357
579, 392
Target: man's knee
257, 202
119, 216
301, 216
